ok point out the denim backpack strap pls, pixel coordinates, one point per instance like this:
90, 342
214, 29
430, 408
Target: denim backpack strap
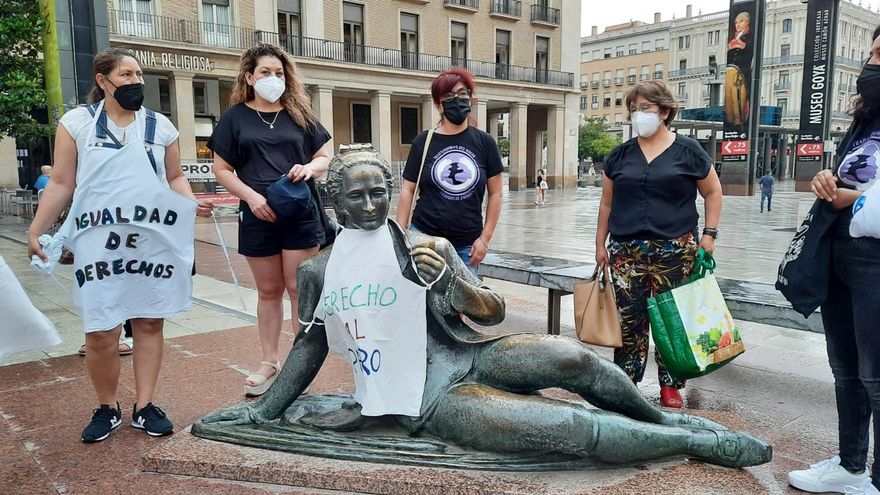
101, 131
150, 136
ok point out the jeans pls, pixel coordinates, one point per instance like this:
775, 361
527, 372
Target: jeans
463, 252
850, 317
769, 197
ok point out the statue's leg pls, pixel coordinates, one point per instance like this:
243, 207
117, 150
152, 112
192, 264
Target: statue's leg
485, 418
529, 362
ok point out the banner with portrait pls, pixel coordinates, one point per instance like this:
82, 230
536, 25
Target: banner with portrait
738, 80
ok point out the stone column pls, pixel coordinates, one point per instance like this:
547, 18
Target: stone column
481, 109
183, 113
8, 163
322, 105
556, 146
493, 125
430, 115
380, 113
518, 145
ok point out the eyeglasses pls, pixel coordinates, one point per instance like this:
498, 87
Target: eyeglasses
648, 107
462, 94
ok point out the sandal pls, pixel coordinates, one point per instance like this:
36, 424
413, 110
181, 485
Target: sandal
262, 382
126, 347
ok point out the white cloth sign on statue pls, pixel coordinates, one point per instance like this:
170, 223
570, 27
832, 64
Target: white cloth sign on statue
132, 237
375, 318
24, 327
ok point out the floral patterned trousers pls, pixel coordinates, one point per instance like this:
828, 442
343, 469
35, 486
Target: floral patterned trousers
642, 269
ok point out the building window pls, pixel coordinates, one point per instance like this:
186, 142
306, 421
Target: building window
714, 37
618, 119
583, 102
684, 42
631, 75
597, 54
682, 64
783, 78
595, 99
633, 48
785, 50
782, 103
646, 72
542, 58
502, 53
658, 71
409, 124
606, 100
216, 25
458, 43
607, 53
136, 18
646, 46
786, 25
353, 33
361, 123
619, 51
200, 100
290, 26
660, 44
164, 96
682, 90
618, 98
409, 41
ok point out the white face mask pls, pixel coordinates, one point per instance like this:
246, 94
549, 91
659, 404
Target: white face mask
270, 88
645, 124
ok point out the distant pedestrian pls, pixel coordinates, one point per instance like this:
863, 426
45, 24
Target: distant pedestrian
648, 207
767, 187
852, 308
540, 186
43, 179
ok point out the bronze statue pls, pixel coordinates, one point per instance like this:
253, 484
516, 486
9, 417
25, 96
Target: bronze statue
480, 390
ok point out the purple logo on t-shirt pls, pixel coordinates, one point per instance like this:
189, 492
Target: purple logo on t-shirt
859, 168
455, 173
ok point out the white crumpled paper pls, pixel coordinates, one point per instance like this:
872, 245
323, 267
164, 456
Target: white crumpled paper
52, 246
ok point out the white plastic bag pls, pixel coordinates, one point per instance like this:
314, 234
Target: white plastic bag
22, 326
866, 214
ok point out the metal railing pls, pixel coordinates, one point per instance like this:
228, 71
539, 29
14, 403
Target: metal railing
594, 84
506, 7
784, 60
545, 14
693, 71
585, 84
200, 33
631, 79
849, 62
682, 96
471, 4
658, 74
645, 77
782, 86
618, 81
606, 82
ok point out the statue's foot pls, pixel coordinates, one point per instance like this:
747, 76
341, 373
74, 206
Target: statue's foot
682, 419
730, 448
347, 418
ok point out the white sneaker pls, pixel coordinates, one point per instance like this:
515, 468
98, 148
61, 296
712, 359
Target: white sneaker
867, 488
827, 476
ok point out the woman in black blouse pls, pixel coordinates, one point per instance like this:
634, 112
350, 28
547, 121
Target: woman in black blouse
269, 131
649, 208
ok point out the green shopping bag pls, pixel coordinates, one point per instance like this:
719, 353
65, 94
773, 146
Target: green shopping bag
691, 325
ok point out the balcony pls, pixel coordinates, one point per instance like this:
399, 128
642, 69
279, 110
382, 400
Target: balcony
618, 81
594, 84
658, 74
782, 86
631, 79
506, 9
645, 77
848, 62
585, 84
606, 83
469, 5
545, 15
594, 106
207, 35
694, 72
784, 60
681, 96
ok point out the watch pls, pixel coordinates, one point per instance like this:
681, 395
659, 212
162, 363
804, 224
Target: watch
713, 233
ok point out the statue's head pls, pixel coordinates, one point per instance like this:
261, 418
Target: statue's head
359, 184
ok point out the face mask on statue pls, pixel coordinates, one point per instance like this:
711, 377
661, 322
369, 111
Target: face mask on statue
868, 84
129, 96
270, 88
456, 110
645, 124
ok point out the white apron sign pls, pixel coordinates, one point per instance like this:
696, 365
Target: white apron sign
132, 238
375, 318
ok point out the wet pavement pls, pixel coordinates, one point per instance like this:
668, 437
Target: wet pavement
780, 389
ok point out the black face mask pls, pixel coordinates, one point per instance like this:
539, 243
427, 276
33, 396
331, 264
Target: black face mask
129, 96
456, 110
868, 84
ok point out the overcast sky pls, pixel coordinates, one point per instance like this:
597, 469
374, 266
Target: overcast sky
604, 13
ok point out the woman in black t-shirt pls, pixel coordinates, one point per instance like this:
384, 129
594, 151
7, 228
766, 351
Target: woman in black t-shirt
267, 133
649, 208
852, 308
462, 163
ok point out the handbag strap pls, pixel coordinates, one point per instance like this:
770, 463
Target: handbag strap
703, 263
412, 207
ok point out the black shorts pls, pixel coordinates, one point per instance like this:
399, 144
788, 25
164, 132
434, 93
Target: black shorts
257, 238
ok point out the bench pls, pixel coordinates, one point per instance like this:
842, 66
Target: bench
748, 301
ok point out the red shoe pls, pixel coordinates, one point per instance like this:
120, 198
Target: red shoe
669, 397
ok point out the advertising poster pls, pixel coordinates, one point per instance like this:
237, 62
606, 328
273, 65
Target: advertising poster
738, 80
818, 79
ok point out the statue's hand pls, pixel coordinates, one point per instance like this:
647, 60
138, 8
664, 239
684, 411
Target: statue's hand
428, 262
236, 414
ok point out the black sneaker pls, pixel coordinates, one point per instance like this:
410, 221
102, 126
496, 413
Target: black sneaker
152, 420
104, 420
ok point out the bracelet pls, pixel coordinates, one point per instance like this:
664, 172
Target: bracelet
713, 233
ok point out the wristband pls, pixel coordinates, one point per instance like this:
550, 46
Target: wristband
713, 233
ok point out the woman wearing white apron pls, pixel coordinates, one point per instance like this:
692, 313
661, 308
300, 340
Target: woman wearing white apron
115, 150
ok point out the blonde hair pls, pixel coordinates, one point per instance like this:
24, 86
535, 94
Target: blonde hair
295, 98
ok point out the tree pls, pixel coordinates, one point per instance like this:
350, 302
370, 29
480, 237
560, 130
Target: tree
594, 141
504, 146
22, 90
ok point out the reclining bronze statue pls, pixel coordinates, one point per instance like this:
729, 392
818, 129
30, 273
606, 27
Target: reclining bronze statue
479, 391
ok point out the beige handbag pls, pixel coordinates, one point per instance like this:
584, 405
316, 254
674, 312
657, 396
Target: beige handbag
595, 311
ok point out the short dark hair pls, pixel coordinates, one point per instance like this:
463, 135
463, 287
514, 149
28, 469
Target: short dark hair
658, 93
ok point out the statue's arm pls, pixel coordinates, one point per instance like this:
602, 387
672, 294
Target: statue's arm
461, 292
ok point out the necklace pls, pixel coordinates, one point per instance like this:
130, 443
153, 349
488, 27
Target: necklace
270, 124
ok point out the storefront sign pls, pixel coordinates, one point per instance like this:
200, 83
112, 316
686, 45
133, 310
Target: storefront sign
174, 61
204, 183
738, 80
818, 78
